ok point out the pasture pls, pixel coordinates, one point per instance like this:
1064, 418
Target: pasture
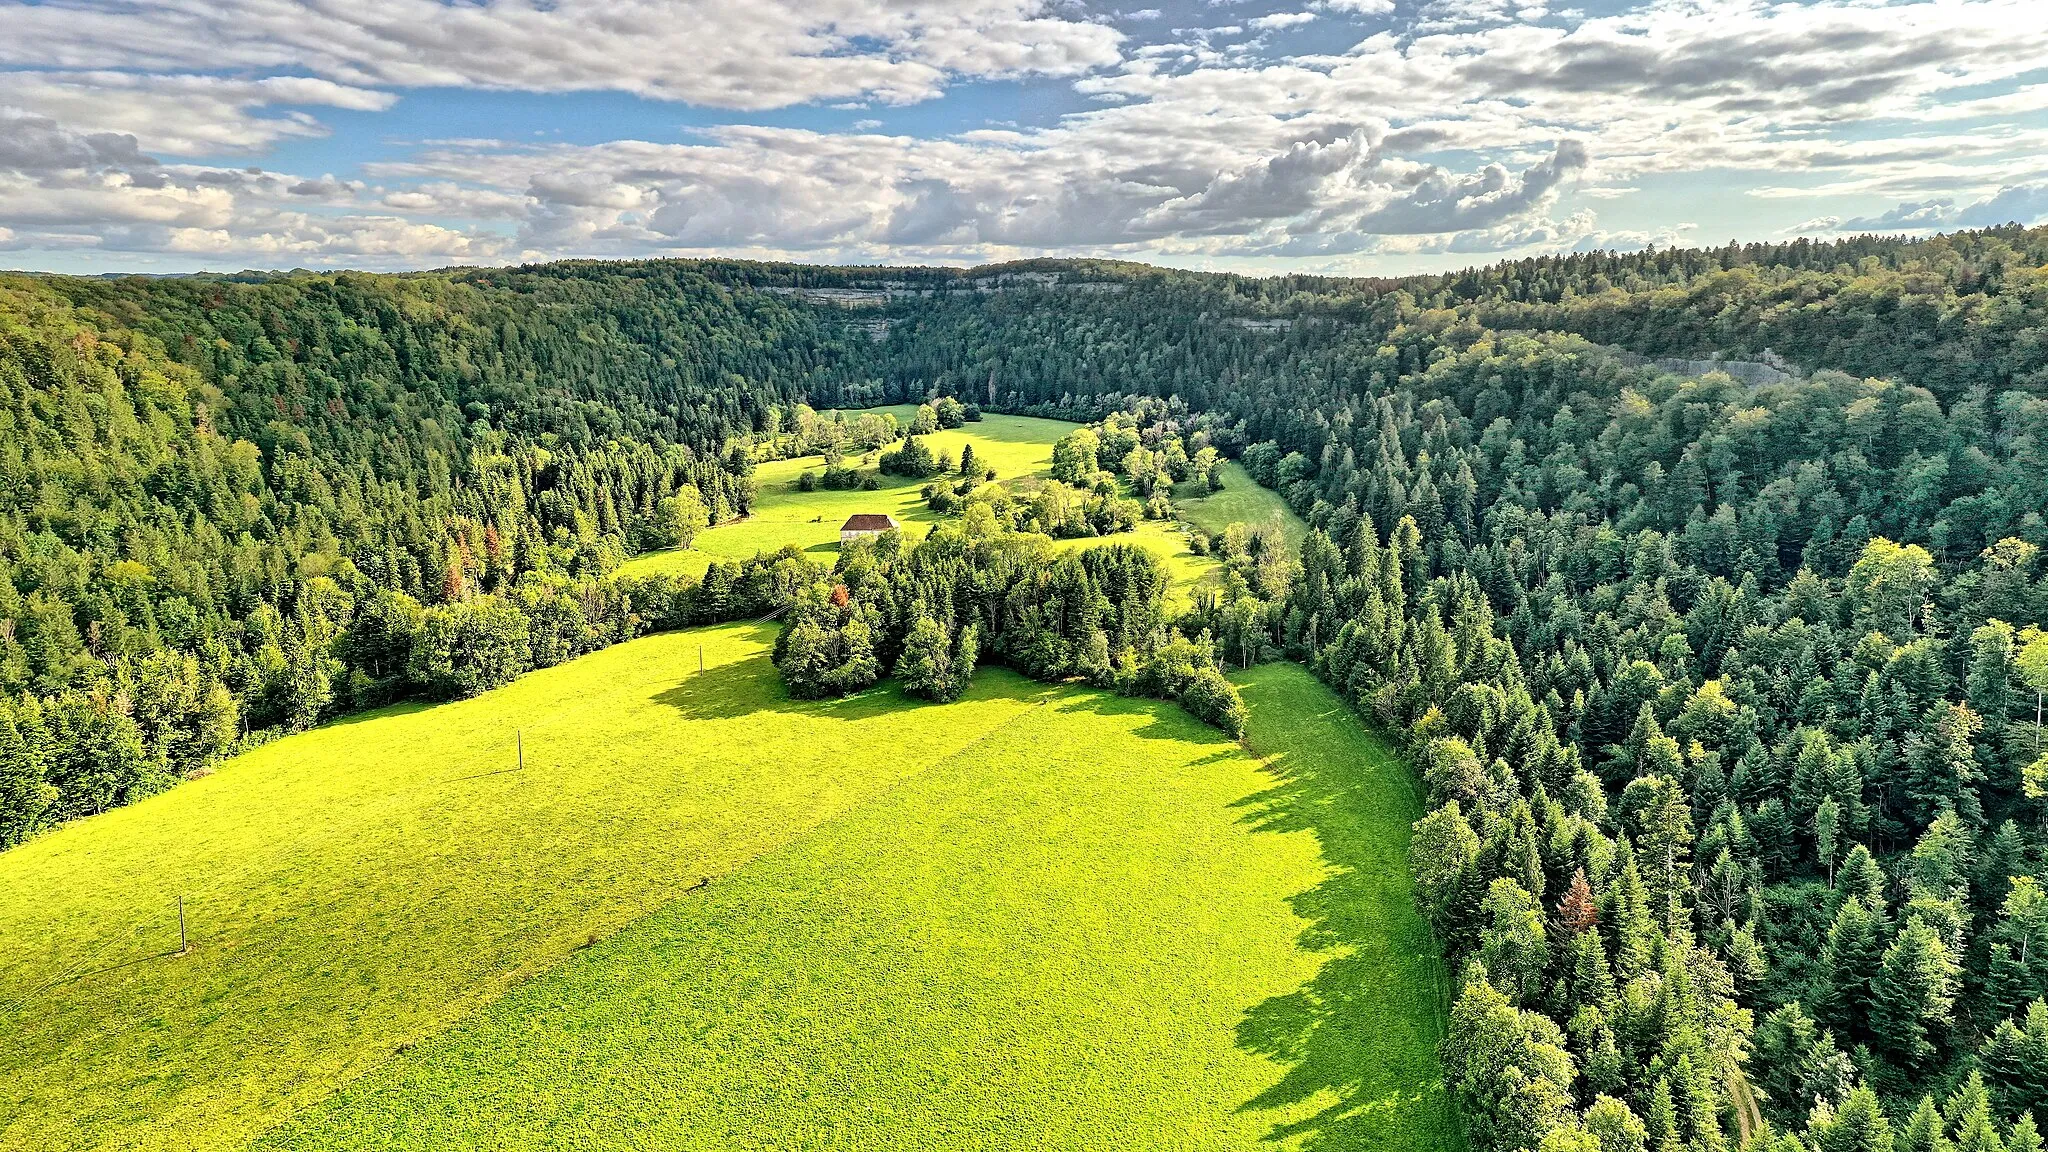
360, 887
1016, 446
1098, 926
1039, 915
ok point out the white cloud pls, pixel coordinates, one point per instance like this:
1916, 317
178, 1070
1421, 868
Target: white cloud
1466, 124
2013, 204
185, 114
1280, 20
762, 54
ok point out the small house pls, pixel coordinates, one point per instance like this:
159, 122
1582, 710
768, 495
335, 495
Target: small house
865, 526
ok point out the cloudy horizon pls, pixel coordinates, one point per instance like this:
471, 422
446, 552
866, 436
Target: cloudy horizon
1329, 136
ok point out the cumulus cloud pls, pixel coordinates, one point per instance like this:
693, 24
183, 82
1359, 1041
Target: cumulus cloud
1445, 126
186, 114
762, 54
2014, 204
38, 146
2022, 203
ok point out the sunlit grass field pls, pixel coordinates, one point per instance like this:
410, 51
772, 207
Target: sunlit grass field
1098, 926
363, 886
1039, 915
1017, 447
1240, 501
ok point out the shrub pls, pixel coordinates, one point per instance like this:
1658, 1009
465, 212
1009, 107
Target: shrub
914, 460
1208, 696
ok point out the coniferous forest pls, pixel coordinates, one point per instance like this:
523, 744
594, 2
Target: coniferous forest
1723, 673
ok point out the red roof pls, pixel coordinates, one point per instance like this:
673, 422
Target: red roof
868, 522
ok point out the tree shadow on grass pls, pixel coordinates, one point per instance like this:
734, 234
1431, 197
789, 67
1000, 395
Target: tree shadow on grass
1358, 1041
382, 712
752, 687
1164, 720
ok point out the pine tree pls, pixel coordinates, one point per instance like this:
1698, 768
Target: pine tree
2014, 1060
1577, 912
1443, 856
1860, 877
2024, 1136
1968, 1112
1924, 1130
1913, 998
1858, 1126
1850, 959
1512, 942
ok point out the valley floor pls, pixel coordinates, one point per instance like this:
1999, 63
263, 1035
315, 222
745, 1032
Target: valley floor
1038, 917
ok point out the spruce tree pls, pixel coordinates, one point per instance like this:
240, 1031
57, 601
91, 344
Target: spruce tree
1912, 1000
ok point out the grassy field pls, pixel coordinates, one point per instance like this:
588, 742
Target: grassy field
363, 886
1240, 501
1046, 915
1017, 446
1099, 926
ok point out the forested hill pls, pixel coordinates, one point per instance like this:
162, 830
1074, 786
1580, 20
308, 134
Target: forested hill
1726, 694
228, 500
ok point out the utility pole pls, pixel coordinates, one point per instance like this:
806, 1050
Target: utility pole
184, 945
519, 741
700, 658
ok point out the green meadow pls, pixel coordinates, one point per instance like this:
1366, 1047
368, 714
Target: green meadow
1016, 446
360, 887
1241, 500
1097, 926
1041, 917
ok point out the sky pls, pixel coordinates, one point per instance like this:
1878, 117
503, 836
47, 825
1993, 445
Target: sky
1327, 136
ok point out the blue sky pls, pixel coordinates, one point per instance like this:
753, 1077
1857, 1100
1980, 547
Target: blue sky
1346, 136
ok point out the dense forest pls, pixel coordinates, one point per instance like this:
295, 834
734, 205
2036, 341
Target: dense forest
1727, 696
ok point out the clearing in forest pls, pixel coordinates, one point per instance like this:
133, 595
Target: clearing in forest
1017, 447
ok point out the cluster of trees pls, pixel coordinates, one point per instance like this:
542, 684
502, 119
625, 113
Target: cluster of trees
146, 722
973, 590
798, 430
837, 477
914, 459
1143, 445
